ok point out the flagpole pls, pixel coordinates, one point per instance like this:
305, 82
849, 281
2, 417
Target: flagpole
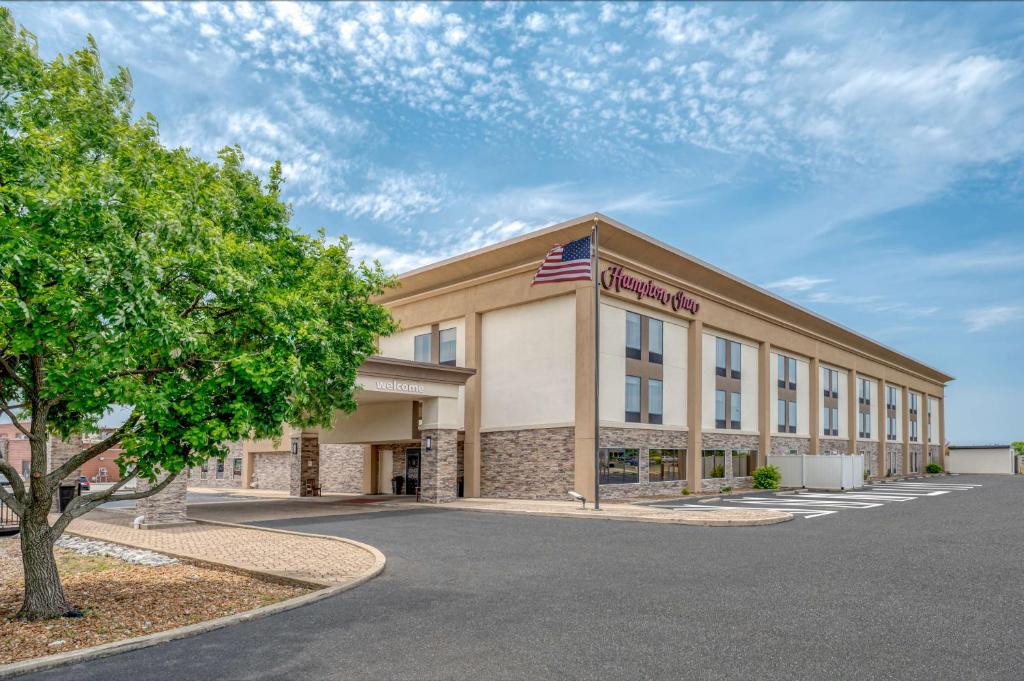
597, 371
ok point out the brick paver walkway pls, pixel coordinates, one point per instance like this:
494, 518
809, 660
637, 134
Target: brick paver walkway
318, 560
617, 511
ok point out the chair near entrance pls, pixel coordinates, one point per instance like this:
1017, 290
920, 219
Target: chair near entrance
312, 489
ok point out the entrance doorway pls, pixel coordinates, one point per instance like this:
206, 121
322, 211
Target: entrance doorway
412, 470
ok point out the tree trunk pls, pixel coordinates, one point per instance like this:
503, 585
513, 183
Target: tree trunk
44, 594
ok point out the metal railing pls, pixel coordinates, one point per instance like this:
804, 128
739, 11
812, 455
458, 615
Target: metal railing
9, 521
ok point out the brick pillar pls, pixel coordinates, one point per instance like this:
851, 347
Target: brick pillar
304, 464
165, 508
439, 465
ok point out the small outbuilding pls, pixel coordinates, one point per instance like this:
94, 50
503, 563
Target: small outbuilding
989, 459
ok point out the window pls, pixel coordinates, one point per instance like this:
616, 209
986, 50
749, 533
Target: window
743, 462
890, 408
666, 464
735, 355
633, 323
204, 470
620, 466
447, 347
787, 416
830, 404
236, 468
712, 463
781, 368
719, 409
654, 394
829, 421
792, 373
220, 469
655, 340
422, 348
734, 411
632, 399
720, 345
26, 468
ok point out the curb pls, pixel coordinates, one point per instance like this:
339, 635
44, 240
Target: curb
781, 517
147, 640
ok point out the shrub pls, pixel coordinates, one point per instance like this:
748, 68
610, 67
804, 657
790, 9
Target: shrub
718, 471
767, 477
866, 473
726, 489
933, 468
686, 491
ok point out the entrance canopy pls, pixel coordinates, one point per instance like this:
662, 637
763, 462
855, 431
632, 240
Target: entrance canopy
397, 399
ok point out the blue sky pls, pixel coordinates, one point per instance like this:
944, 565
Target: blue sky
863, 160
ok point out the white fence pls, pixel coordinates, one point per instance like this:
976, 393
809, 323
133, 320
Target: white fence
821, 471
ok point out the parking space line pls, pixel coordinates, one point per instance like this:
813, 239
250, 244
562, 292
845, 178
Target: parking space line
806, 513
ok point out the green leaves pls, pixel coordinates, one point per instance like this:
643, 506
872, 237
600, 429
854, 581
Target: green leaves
144, 276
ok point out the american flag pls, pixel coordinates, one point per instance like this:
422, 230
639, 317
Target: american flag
570, 262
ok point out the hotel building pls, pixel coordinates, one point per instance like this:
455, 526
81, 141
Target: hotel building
488, 389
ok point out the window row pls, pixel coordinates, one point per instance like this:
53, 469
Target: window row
423, 347
787, 372
621, 465
728, 358
655, 399
637, 326
728, 412
713, 462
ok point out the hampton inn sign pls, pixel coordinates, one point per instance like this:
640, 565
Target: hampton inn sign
617, 279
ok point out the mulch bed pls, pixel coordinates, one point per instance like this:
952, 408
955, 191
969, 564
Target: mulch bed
121, 600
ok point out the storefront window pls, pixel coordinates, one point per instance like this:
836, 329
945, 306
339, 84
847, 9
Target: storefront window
713, 463
236, 468
220, 469
421, 349
667, 464
620, 466
743, 461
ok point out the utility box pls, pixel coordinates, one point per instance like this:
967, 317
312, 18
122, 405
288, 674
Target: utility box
65, 494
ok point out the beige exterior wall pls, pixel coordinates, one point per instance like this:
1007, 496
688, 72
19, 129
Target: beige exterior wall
613, 365
384, 422
527, 365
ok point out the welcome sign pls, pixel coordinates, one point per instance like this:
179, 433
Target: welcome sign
615, 278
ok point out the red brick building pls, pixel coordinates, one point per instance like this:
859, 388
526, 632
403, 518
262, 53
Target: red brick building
100, 469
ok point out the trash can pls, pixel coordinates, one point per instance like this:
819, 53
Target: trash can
65, 494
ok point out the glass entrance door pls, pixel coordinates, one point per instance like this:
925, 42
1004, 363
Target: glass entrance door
412, 470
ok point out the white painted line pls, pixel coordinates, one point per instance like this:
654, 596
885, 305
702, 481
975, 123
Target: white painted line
812, 503
913, 492
858, 495
816, 513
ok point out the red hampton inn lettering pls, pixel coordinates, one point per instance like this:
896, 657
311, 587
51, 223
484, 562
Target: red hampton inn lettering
616, 278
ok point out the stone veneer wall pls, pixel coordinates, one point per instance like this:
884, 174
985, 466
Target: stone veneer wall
644, 439
535, 463
783, 445
894, 451
934, 454
869, 450
439, 466
341, 468
830, 446
271, 470
228, 481
728, 442
166, 506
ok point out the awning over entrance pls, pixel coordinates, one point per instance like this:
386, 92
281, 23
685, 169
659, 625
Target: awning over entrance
389, 392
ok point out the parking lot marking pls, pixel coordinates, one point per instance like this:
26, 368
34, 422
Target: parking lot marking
859, 495
806, 513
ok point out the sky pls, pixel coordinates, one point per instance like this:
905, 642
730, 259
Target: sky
863, 160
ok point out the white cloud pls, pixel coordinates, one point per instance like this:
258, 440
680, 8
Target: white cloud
984, 318
301, 18
536, 22
396, 197
797, 283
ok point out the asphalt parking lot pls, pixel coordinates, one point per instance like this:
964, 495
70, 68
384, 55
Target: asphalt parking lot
929, 588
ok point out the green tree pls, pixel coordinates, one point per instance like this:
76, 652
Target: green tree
1018, 447
137, 275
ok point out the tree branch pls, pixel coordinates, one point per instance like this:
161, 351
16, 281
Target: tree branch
15, 421
109, 492
12, 476
77, 460
11, 501
75, 510
12, 373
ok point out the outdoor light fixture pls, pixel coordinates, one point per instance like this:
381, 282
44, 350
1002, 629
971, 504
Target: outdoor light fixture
429, 440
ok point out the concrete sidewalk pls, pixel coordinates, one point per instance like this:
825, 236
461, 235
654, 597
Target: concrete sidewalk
613, 511
309, 559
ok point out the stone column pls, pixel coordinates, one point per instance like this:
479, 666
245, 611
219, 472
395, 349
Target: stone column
471, 420
165, 508
304, 464
583, 452
439, 465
